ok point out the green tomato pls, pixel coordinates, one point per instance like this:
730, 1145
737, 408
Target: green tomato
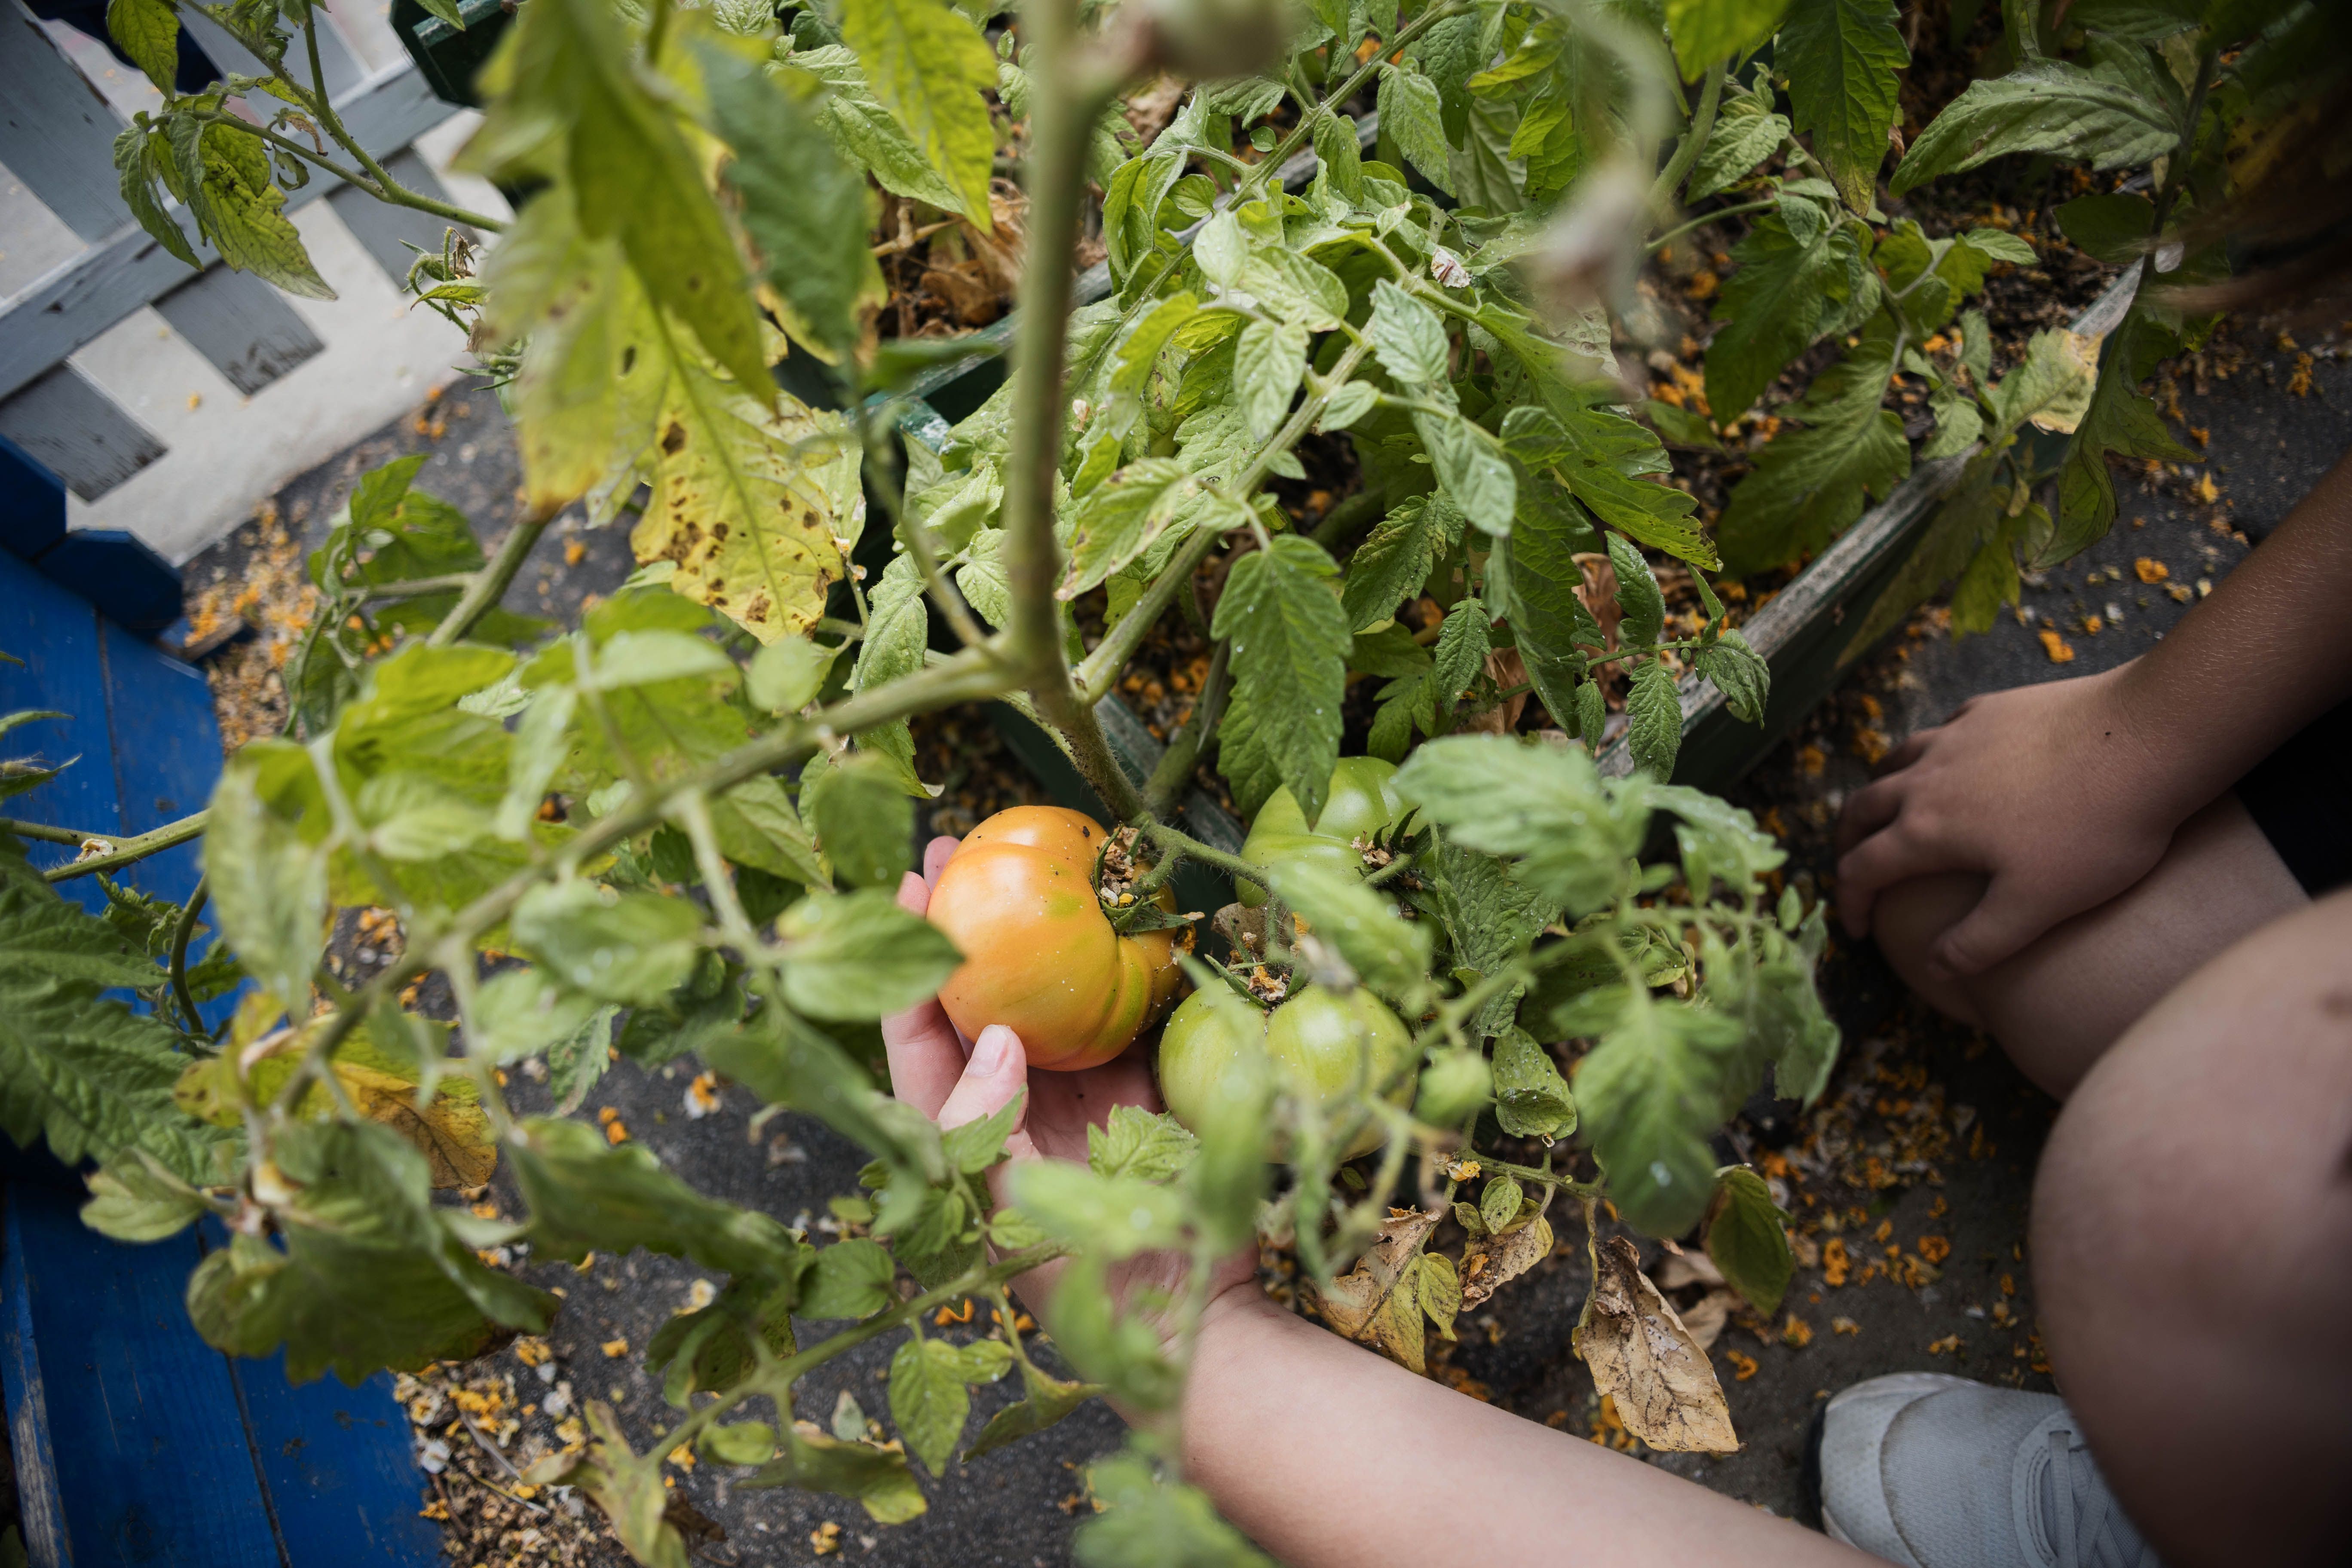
1362, 801
1323, 1043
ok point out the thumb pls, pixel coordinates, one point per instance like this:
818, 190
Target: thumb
2002, 922
998, 1070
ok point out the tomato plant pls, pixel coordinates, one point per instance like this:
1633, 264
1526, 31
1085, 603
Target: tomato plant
682, 817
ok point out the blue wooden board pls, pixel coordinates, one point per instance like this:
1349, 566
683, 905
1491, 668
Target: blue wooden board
135, 1442
339, 1471
153, 1462
56, 634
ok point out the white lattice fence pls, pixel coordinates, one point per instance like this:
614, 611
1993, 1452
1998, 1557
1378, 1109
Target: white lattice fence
171, 400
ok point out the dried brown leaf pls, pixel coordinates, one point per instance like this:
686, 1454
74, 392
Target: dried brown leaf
1358, 1303
1648, 1362
1708, 1320
1688, 1268
1491, 1262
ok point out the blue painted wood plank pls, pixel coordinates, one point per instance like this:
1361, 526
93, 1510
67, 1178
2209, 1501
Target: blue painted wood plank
341, 1473
167, 751
56, 634
129, 582
39, 1505
32, 502
153, 1464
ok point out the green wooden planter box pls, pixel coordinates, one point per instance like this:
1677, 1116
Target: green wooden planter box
449, 56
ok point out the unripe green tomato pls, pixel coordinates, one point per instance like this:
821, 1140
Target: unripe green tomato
1453, 1086
1363, 802
1321, 1041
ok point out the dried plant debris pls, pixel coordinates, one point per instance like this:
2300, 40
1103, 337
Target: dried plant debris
1645, 1360
478, 1427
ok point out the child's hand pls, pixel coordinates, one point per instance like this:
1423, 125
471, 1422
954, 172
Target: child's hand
2048, 791
952, 1082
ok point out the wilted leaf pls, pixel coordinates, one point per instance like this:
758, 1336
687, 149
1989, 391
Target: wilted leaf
1644, 1357
1353, 1303
1491, 1262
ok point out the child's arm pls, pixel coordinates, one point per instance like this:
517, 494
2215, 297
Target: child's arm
1330, 1456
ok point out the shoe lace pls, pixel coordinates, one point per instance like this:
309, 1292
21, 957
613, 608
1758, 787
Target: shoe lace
2088, 1529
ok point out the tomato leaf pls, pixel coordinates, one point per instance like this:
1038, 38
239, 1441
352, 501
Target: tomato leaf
1810, 485
930, 66
804, 205
1840, 56
586, 1197
1150, 1146
1715, 32
859, 956
2099, 117
1290, 643
365, 1273
848, 1279
1747, 1239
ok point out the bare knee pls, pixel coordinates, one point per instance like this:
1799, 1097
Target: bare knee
2192, 1242
1906, 919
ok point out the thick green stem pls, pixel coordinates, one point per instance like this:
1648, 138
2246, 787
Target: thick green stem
1670, 178
1704, 219
1175, 842
1184, 753
420, 587
1070, 89
127, 850
182, 931
47, 834
488, 585
1059, 125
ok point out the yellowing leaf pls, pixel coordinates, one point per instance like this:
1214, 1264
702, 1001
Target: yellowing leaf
1643, 1356
930, 66
1393, 1288
2079, 356
452, 1132
747, 502
242, 212
593, 368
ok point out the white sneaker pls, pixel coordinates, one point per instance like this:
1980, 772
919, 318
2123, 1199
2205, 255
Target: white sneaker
1934, 1471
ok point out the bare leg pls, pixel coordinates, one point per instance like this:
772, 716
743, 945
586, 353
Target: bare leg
2059, 1004
2192, 1248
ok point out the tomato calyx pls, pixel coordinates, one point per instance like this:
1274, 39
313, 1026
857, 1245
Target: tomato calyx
1126, 883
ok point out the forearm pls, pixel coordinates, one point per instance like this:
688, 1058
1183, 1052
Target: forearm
2268, 652
1328, 1454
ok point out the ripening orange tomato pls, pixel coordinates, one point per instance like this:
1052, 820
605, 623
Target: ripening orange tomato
1018, 899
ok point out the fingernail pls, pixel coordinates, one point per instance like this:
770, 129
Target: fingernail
989, 1052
